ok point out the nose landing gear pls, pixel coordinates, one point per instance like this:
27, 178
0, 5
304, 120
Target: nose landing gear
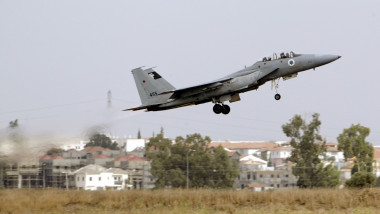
275, 85
221, 108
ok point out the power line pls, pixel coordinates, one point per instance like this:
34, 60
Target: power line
51, 107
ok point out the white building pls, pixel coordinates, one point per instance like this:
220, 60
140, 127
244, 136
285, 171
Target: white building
76, 146
332, 152
260, 163
244, 147
280, 152
132, 144
95, 177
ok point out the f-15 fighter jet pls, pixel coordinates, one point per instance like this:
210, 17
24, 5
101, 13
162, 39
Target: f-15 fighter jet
157, 94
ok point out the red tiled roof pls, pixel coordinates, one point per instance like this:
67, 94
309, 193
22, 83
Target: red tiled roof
281, 148
101, 156
231, 153
376, 153
130, 157
244, 145
93, 149
46, 157
332, 149
57, 157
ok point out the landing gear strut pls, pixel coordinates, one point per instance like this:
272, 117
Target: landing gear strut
275, 85
220, 108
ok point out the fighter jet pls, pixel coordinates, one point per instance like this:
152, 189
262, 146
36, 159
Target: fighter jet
157, 94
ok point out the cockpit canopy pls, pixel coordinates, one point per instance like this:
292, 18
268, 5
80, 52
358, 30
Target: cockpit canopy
282, 55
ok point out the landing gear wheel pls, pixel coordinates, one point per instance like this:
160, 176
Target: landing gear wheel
226, 109
277, 96
217, 109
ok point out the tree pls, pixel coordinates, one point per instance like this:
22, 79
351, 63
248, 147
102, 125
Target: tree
352, 142
13, 124
308, 147
361, 179
54, 151
139, 134
160, 157
224, 173
103, 141
206, 169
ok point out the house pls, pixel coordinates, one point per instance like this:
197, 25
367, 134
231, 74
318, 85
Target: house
333, 154
252, 160
101, 160
257, 187
274, 178
376, 161
278, 155
23, 174
139, 168
55, 170
95, 177
244, 147
132, 144
74, 146
233, 155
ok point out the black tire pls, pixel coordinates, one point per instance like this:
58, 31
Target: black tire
277, 96
217, 109
226, 109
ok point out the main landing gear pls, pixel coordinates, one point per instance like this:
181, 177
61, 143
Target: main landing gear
221, 108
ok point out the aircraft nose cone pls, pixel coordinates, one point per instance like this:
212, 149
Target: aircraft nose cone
324, 59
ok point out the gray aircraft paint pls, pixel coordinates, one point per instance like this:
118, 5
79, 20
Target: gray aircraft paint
157, 94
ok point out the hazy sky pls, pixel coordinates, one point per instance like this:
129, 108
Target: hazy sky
58, 59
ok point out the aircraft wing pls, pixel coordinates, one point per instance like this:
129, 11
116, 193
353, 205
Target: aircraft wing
193, 90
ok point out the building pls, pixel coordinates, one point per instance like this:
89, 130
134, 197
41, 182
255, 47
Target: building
278, 155
26, 173
95, 177
333, 154
244, 147
376, 161
272, 179
132, 144
139, 168
74, 146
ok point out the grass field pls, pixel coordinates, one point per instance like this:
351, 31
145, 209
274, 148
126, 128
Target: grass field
190, 201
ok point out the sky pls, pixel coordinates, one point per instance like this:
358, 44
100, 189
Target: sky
58, 60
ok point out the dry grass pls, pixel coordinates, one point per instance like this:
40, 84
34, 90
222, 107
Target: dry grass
190, 201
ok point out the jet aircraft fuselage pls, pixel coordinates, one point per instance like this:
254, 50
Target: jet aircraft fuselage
158, 94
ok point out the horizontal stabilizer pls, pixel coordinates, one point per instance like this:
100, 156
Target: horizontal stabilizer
139, 108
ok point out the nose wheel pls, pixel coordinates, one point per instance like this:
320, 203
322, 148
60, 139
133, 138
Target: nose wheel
220, 108
277, 97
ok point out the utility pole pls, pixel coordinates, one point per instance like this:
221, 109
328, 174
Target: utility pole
109, 99
187, 168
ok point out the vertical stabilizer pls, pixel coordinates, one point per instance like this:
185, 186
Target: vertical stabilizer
149, 85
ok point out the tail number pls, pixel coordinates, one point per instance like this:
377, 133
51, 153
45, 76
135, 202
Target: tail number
153, 94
